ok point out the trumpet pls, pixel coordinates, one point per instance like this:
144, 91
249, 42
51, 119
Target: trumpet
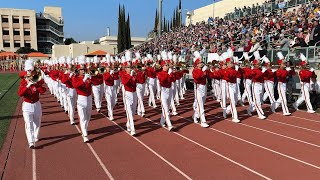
101, 70
93, 71
139, 67
34, 76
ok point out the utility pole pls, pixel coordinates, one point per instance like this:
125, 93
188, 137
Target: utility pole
160, 18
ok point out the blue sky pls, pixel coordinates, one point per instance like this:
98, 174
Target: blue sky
89, 19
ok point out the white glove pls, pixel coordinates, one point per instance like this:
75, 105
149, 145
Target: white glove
288, 68
311, 69
29, 84
252, 67
66, 72
111, 72
273, 70
132, 73
264, 69
236, 68
169, 71
71, 74
204, 68
86, 77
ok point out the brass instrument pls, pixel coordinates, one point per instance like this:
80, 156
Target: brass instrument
34, 76
74, 69
93, 71
101, 70
139, 67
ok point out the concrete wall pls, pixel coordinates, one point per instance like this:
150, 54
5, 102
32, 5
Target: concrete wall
111, 41
20, 14
218, 9
55, 12
74, 50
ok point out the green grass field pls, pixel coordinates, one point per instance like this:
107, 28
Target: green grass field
8, 102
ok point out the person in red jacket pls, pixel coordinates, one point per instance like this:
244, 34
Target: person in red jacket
110, 89
71, 92
268, 75
282, 74
128, 79
215, 78
199, 75
231, 79
305, 75
151, 75
97, 85
257, 87
31, 105
141, 83
83, 86
165, 78
54, 75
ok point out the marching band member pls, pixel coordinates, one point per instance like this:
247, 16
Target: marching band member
83, 86
199, 74
183, 78
178, 77
141, 80
54, 75
305, 77
121, 73
268, 82
63, 87
97, 86
231, 78
158, 84
165, 78
257, 87
31, 105
116, 77
247, 80
215, 78
71, 92
223, 82
128, 80
173, 86
151, 74
110, 88
282, 74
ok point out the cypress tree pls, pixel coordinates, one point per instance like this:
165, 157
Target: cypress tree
128, 32
174, 19
164, 24
177, 17
120, 31
180, 13
156, 21
124, 25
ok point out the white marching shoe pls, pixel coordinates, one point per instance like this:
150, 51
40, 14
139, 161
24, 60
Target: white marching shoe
195, 119
286, 114
170, 128
225, 114
174, 113
132, 133
249, 112
235, 120
262, 117
311, 111
85, 139
204, 125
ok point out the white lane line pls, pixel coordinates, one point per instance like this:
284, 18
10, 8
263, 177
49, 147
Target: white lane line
216, 153
307, 129
301, 118
271, 132
34, 167
154, 152
98, 158
265, 148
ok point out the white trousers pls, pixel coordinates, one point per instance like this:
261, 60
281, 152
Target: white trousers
72, 99
257, 90
232, 93
84, 108
140, 95
131, 107
63, 96
247, 91
269, 92
158, 89
216, 89
183, 84
97, 92
200, 96
166, 99
282, 88
223, 92
173, 106
152, 90
32, 114
56, 89
305, 96
123, 96
238, 90
110, 95
177, 94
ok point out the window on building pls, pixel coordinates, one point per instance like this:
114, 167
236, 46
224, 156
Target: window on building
6, 44
26, 21
15, 19
5, 32
26, 33
5, 19
27, 44
17, 44
16, 32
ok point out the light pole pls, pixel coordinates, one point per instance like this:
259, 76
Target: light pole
160, 18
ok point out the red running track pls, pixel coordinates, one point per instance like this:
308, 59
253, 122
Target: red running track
276, 148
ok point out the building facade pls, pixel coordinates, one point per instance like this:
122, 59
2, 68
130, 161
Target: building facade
218, 9
26, 28
112, 42
17, 29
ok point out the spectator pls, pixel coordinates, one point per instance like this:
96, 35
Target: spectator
315, 33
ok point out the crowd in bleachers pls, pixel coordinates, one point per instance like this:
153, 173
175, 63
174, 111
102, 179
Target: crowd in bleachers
281, 28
